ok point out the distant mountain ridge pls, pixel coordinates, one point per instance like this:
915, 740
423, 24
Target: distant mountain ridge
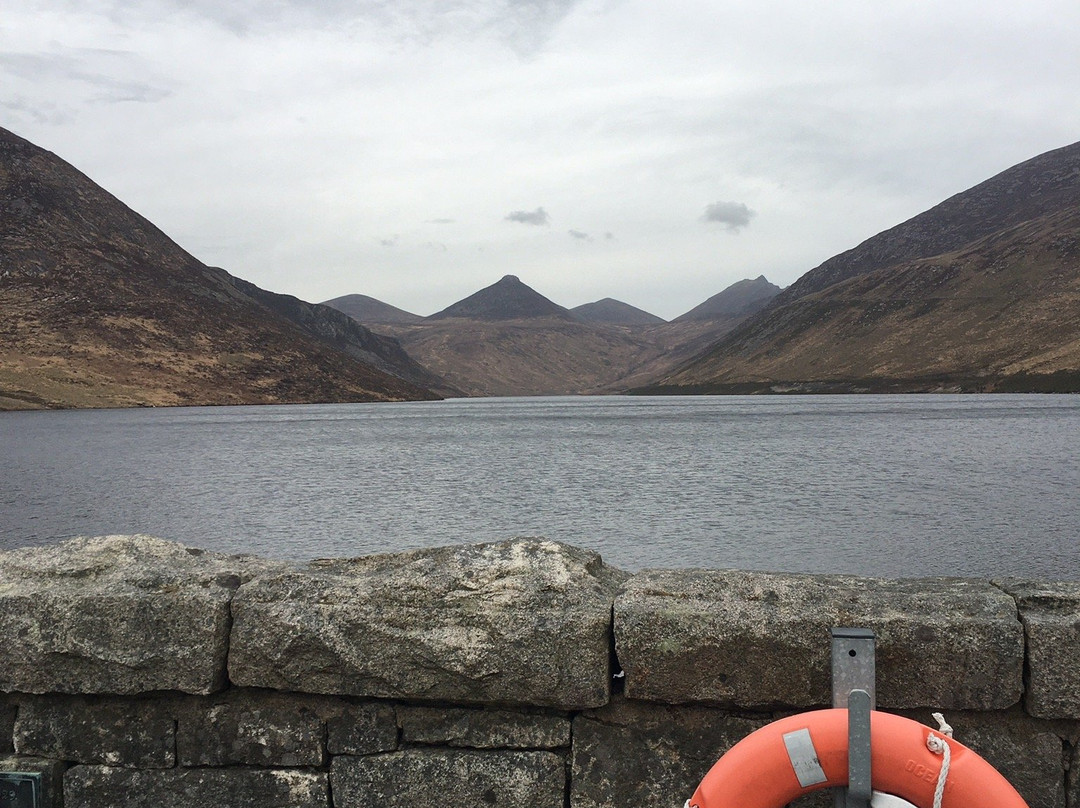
100, 308
614, 312
508, 339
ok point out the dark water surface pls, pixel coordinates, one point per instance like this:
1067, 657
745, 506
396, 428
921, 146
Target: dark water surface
880, 485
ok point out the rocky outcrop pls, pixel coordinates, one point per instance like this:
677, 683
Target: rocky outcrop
522, 622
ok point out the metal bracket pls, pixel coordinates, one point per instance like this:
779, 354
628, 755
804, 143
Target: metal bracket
853, 680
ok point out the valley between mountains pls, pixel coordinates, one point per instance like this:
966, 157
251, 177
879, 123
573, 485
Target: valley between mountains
101, 309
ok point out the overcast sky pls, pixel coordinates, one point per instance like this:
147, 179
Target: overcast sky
418, 150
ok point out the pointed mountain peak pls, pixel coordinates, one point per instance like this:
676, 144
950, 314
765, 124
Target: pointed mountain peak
507, 299
738, 300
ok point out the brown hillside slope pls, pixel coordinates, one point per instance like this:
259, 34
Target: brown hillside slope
100, 309
527, 356
1000, 314
994, 309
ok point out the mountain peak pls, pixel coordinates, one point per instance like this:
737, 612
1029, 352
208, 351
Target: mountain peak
366, 309
738, 300
615, 312
507, 299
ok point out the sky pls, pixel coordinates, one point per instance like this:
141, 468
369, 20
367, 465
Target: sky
418, 150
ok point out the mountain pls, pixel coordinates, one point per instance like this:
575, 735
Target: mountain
737, 301
102, 309
1039, 186
507, 299
981, 292
366, 309
508, 340
614, 312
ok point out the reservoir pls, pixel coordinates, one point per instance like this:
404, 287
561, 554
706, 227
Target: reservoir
895, 486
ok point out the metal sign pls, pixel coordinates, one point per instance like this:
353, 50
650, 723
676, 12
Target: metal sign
20, 790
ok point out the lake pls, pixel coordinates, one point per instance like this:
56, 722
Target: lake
897, 486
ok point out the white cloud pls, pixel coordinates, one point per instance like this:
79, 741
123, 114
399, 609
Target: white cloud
284, 140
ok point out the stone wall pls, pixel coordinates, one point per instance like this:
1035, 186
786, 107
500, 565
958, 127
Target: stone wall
139, 672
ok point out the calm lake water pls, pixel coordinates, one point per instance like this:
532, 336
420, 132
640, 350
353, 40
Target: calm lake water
900, 486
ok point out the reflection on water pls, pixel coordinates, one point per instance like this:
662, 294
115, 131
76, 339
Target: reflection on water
878, 485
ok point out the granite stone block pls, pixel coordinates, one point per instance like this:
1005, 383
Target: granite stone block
483, 729
241, 727
762, 640
648, 755
99, 786
436, 778
1050, 613
116, 614
526, 621
135, 732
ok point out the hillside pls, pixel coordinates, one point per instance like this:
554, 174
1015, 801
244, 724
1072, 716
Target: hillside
101, 309
982, 292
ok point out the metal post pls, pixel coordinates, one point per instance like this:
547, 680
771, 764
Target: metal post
853, 680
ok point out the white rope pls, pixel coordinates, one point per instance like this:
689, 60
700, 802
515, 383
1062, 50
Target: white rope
939, 746
943, 725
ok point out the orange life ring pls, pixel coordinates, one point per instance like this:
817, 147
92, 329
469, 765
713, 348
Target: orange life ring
760, 771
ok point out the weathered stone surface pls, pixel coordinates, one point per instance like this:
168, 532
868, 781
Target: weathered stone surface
137, 732
97, 786
241, 727
116, 614
7, 725
522, 622
1029, 753
482, 729
52, 771
1073, 779
1050, 613
434, 778
361, 729
760, 639
647, 755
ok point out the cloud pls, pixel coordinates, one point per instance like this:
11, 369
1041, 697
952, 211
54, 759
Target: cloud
537, 217
579, 235
734, 215
440, 221
72, 68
